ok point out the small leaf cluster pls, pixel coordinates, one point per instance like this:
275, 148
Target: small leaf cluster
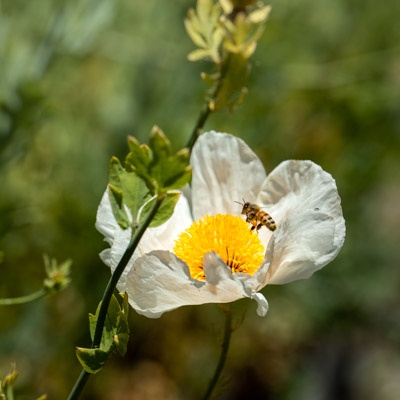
227, 26
150, 173
242, 27
114, 338
57, 275
226, 33
7, 385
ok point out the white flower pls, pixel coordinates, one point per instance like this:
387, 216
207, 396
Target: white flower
229, 260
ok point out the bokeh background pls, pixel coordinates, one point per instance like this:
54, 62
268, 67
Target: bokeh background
77, 77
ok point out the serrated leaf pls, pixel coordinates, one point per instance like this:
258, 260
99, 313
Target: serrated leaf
92, 360
117, 206
135, 192
116, 322
164, 212
126, 189
203, 28
172, 172
159, 144
114, 171
141, 153
138, 161
115, 192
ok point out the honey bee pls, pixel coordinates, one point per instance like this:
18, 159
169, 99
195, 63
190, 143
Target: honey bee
257, 217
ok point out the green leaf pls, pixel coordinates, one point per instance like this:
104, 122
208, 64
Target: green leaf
122, 336
141, 153
92, 360
117, 206
135, 192
164, 212
116, 323
159, 144
121, 343
150, 171
173, 172
116, 194
125, 189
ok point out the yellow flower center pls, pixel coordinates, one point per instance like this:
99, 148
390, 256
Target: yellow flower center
228, 236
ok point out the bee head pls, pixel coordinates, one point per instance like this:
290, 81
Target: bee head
245, 206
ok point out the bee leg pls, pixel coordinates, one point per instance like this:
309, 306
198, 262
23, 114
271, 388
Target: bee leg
259, 226
254, 225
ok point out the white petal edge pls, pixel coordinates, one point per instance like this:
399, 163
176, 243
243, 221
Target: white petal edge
225, 170
160, 282
304, 201
262, 304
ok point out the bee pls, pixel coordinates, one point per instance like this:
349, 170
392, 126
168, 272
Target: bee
257, 217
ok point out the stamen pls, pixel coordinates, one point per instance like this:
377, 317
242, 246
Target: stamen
228, 236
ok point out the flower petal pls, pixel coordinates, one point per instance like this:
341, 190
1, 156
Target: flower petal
114, 235
161, 237
105, 220
160, 282
262, 302
303, 200
225, 170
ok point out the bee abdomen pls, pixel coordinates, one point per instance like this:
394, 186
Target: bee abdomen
268, 221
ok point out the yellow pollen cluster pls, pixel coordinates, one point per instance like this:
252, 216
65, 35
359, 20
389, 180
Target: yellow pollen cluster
228, 236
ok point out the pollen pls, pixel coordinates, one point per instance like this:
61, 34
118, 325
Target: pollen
228, 236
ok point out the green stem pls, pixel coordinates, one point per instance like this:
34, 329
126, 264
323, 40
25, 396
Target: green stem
23, 299
224, 352
205, 109
112, 283
201, 120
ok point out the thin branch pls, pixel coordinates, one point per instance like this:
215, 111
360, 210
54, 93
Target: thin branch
112, 283
223, 355
24, 299
205, 109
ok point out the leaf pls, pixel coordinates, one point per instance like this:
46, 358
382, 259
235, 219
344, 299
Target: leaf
138, 161
164, 212
92, 360
116, 323
159, 144
150, 171
203, 28
115, 192
121, 343
135, 192
173, 172
125, 189
122, 336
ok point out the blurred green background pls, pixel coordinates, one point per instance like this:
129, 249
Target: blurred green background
77, 77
